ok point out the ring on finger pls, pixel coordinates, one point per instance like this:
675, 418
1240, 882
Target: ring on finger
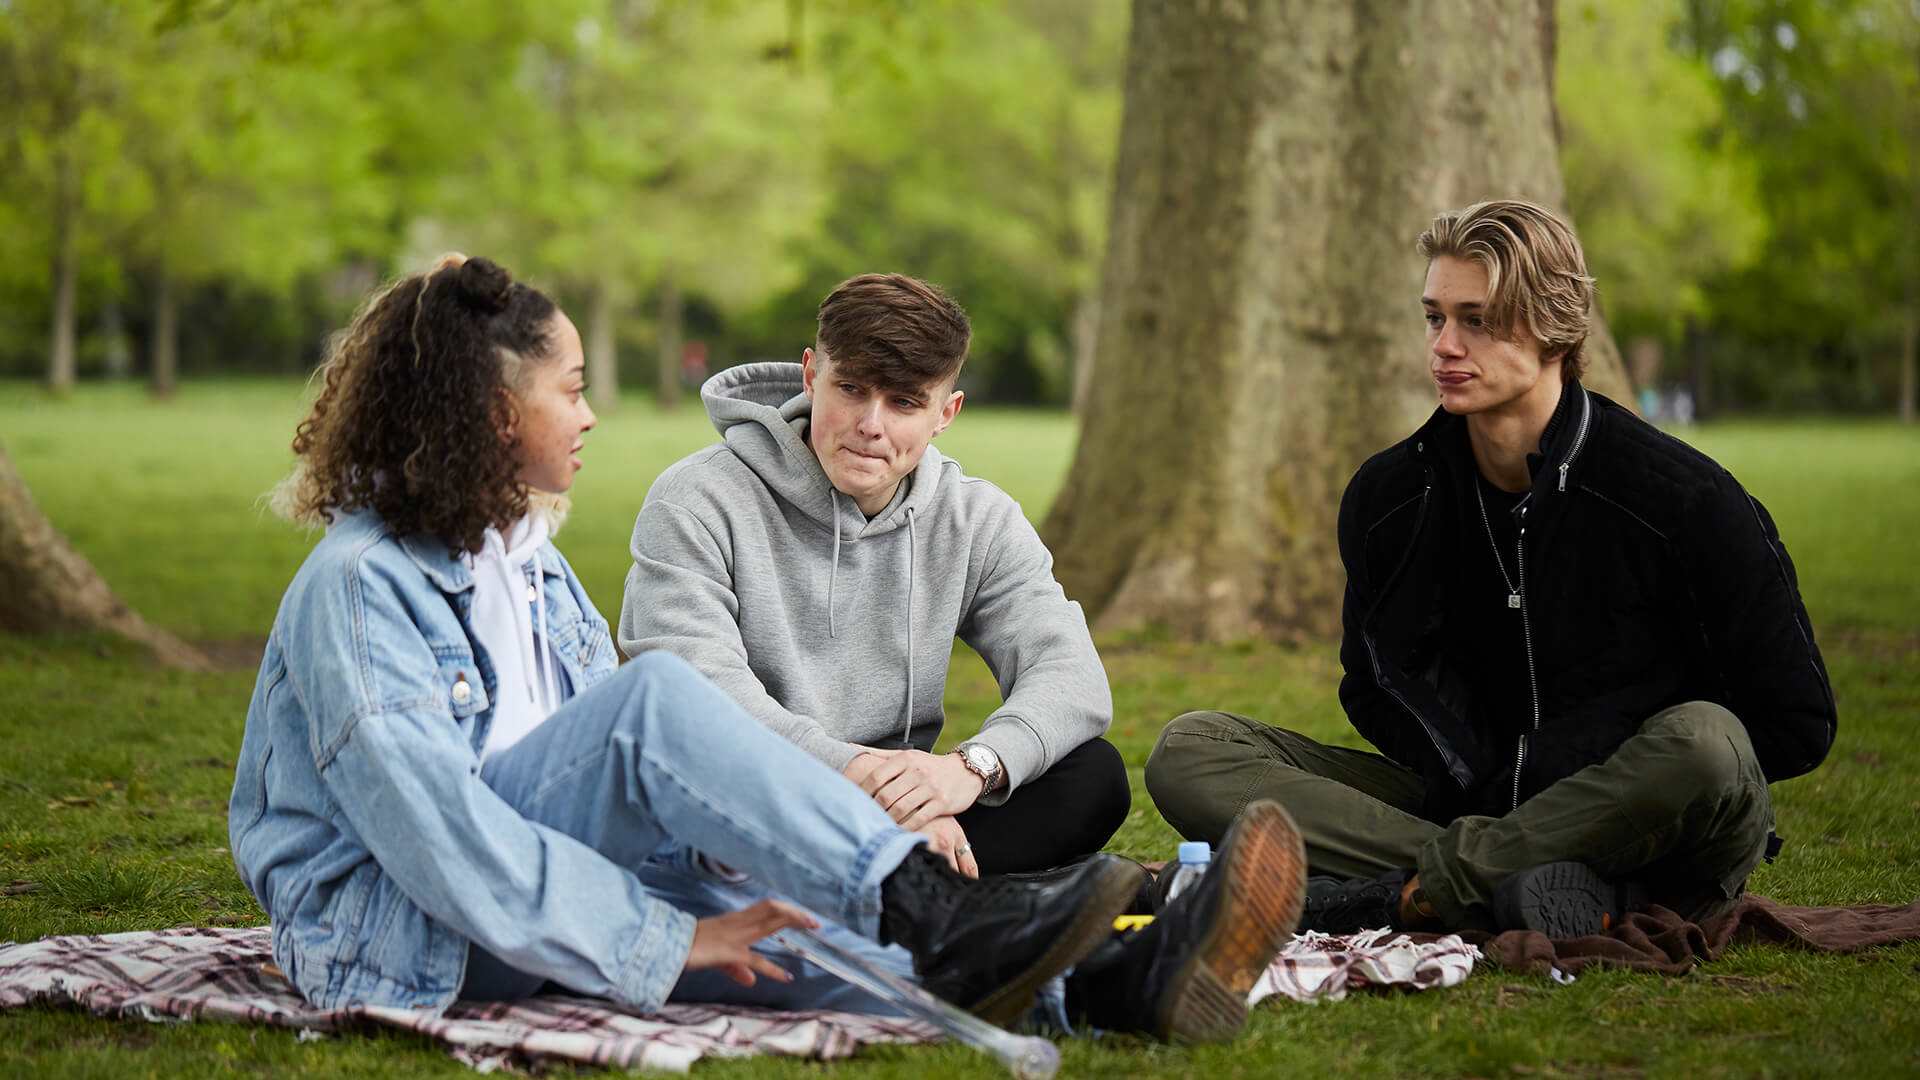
963, 849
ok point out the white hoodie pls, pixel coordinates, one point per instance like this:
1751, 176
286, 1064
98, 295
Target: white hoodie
509, 618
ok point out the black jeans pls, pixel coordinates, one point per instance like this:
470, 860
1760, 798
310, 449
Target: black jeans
1067, 812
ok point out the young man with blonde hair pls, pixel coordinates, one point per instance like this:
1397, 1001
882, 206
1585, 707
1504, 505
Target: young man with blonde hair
1577, 642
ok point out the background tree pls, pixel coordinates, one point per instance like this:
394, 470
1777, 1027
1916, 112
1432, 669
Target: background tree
246, 163
971, 145
1259, 326
62, 69
665, 150
1827, 93
1665, 192
50, 587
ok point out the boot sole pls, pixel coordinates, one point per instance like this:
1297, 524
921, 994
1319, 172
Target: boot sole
1118, 882
1562, 900
1266, 866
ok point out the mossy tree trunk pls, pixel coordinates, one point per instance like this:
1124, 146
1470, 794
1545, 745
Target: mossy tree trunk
62, 362
164, 379
50, 587
603, 358
670, 333
1259, 320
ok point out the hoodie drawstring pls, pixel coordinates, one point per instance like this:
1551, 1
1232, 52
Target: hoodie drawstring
910, 580
833, 575
549, 679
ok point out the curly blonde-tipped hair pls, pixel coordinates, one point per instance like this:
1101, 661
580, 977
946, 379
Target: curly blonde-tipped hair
416, 398
1536, 273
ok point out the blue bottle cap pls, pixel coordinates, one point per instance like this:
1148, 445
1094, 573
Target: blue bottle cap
1195, 851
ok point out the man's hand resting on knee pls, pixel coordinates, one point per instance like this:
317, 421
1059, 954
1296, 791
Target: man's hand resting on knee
923, 792
913, 786
724, 942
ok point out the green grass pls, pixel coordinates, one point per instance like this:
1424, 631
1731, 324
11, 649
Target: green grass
114, 779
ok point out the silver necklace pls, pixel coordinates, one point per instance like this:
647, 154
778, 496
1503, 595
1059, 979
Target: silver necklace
1513, 594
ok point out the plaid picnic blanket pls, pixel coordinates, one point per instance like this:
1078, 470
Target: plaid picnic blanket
1323, 967
221, 973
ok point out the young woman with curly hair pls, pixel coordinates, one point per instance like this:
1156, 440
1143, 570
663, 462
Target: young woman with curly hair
448, 789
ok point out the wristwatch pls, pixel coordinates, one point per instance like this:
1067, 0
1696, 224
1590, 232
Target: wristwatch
981, 761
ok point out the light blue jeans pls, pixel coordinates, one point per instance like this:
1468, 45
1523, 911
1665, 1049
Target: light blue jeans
656, 764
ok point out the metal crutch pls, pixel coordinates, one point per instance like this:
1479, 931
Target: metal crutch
1026, 1057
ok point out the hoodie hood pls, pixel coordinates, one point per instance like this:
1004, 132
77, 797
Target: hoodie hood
762, 412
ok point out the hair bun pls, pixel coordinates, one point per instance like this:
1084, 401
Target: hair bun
483, 284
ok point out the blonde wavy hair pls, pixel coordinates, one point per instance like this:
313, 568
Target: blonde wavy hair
1536, 273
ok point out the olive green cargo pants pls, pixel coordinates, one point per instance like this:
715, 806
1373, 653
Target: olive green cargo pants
1681, 807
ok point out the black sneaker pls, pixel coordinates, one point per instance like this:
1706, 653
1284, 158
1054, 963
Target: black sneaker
1563, 900
987, 945
1186, 975
1335, 906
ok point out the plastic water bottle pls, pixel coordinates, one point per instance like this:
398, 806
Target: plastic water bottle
1195, 855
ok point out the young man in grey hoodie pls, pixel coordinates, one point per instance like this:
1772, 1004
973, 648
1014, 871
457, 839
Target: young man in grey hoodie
819, 562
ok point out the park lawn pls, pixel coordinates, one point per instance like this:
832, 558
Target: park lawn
114, 779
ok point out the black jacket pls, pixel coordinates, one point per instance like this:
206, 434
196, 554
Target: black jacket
1651, 578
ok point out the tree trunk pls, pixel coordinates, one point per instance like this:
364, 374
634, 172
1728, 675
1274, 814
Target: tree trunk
1086, 327
113, 325
603, 361
165, 377
50, 587
1909, 345
62, 365
672, 313
1259, 330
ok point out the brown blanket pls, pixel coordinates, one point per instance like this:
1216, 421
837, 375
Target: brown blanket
1659, 940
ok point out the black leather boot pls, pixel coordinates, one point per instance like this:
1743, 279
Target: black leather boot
1335, 906
1564, 900
988, 945
1186, 975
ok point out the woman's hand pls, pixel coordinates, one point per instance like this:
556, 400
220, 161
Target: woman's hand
724, 942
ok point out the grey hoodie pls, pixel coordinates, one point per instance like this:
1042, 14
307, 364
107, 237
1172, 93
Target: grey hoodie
835, 630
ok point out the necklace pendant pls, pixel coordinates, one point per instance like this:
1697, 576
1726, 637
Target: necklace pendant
1513, 600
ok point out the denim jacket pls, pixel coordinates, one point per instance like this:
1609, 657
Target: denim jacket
359, 819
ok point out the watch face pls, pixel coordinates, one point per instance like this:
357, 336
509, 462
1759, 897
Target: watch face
983, 758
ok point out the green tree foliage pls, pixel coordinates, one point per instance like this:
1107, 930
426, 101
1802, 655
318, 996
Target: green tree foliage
970, 144
62, 79
1828, 94
661, 147
1664, 193
1744, 172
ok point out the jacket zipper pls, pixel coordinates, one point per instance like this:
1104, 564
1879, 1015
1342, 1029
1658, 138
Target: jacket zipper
1526, 634
1526, 621
1579, 436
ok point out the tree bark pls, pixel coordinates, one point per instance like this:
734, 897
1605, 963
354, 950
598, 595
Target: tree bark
1910, 363
50, 587
62, 365
165, 377
1086, 327
603, 361
1259, 324
113, 326
672, 316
